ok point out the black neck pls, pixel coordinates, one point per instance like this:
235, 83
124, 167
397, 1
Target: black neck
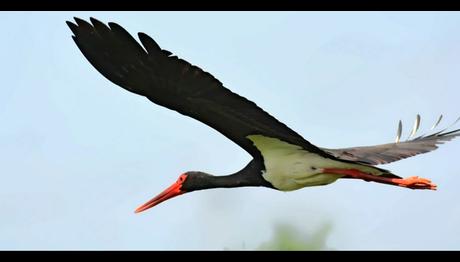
251, 175
248, 176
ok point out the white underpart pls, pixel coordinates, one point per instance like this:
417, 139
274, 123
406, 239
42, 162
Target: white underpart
289, 167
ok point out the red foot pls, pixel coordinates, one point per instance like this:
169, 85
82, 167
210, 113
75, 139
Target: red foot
414, 182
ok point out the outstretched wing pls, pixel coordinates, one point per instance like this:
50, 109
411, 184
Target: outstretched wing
387, 153
171, 82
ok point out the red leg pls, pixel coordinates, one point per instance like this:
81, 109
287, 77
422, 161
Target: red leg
413, 182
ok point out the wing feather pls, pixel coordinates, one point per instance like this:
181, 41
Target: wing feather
387, 153
174, 83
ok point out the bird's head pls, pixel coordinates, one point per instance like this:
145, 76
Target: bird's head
187, 182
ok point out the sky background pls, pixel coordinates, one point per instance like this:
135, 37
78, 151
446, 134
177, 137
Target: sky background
78, 154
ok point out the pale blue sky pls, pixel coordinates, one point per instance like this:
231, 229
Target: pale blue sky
78, 154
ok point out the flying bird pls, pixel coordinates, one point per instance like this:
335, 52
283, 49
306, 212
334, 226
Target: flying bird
281, 158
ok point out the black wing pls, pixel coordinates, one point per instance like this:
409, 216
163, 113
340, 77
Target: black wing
174, 83
387, 153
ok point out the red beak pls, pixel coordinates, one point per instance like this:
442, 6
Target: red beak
170, 192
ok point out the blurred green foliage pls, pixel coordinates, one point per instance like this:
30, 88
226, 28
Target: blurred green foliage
287, 237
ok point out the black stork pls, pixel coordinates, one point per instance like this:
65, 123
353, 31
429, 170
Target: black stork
282, 159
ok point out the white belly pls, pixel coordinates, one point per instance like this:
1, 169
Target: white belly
289, 167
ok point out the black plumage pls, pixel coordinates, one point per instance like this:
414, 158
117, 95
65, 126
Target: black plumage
176, 84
